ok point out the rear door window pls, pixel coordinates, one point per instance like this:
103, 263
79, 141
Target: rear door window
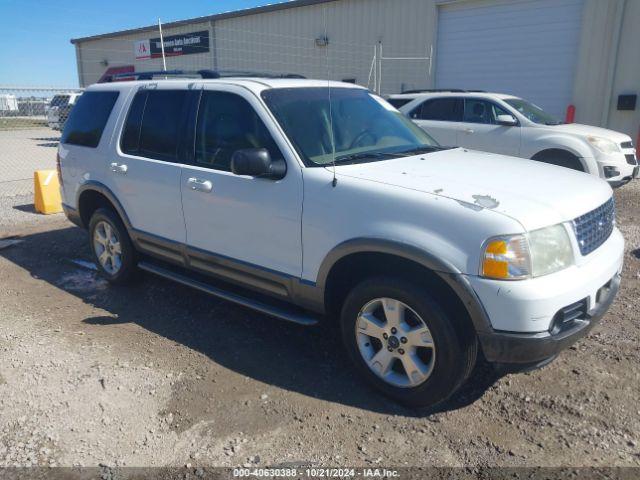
443, 109
88, 119
154, 124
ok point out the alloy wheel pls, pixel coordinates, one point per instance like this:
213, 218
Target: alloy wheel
107, 246
395, 342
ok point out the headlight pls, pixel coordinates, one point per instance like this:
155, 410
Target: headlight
506, 258
537, 253
550, 250
604, 145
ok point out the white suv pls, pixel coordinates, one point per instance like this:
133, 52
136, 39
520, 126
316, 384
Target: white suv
59, 108
512, 126
265, 193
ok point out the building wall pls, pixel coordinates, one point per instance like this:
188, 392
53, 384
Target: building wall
98, 55
285, 41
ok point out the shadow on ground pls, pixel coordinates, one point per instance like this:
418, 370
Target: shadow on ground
27, 208
307, 360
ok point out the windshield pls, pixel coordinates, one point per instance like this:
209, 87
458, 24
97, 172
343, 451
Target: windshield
532, 112
365, 127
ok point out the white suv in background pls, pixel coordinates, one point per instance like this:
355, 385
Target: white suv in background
509, 125
262, 192
59, 108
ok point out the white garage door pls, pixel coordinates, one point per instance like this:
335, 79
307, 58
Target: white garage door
527, 48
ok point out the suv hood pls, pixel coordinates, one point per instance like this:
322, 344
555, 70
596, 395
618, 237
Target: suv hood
586, 130
535, 194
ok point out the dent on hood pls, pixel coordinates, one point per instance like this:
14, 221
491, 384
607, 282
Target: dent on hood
480, 202
486, 201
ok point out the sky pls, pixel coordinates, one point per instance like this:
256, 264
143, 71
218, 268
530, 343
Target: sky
35, 34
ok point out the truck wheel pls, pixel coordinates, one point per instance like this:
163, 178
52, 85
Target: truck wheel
404, 343
111, 246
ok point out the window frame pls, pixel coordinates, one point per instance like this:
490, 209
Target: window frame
417, 110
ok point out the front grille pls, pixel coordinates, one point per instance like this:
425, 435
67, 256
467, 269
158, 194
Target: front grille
631, 158
592, 229
626, 144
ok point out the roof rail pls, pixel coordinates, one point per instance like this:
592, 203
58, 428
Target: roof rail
204, 74
436, 90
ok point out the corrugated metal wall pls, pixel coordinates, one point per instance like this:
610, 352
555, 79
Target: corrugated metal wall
284, 41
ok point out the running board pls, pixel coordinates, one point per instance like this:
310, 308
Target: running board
274, 311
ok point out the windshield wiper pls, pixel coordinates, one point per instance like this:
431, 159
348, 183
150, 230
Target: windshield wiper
554, 123
422, 149
364, 156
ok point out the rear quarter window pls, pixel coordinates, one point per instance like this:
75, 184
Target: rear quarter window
88, 118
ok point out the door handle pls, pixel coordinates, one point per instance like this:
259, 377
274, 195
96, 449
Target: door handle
200, 185
119, 168
468, 130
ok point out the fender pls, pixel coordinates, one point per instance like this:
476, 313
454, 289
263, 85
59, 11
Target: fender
455, 279
104, 190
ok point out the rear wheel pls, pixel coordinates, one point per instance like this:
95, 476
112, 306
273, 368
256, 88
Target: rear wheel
561, 158
111, 246
404, 343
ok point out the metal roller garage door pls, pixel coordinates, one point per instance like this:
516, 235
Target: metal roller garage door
527, 48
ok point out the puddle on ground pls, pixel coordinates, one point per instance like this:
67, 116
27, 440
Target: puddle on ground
82, 281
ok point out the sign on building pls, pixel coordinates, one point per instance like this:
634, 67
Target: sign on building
174, 45
142, 49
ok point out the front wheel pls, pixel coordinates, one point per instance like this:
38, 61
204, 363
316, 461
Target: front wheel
404, 343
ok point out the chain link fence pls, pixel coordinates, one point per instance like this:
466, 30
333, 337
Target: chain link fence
30, 124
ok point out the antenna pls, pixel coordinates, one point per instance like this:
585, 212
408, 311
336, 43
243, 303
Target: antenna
334, 182
164, 60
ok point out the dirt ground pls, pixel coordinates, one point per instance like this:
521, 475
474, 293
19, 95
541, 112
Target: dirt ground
158, 374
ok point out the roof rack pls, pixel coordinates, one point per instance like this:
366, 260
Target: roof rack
204, 74
436, 90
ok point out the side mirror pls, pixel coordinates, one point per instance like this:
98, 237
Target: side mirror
256, 162
507, 120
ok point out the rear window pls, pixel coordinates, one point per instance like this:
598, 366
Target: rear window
399, 102
153, 124
88, 119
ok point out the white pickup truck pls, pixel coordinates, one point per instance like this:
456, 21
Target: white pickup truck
314, 201
509, 125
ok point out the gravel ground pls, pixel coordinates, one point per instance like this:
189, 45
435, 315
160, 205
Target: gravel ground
160, 375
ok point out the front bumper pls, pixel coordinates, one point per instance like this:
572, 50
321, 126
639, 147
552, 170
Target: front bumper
618, 168
535, 348
533, 320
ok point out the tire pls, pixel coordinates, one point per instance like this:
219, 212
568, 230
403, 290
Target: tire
118, 265
441, 368
561, 158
